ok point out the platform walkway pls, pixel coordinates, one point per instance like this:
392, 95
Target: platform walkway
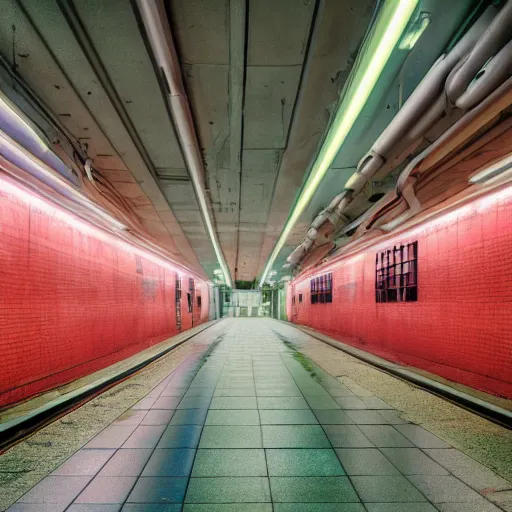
257, 427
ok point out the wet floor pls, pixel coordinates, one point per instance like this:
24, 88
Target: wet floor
256, 426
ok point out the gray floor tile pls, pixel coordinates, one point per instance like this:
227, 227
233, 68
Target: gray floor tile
294, 436
130, 417
184, 436
145, 404
228, 507
58, 490
444, 489
166, 402
173, 391
332, 417
347, 436
269, 383
318, 507
250, 391
111, 437
40, 507
421, 437
94, 507
386, 489
288, 391
373, 402
350, 402
230, 462
288, 417
126, 463
145, 436
235, 417
400, 507
231, 437
84, 463
480, 505
303, 462
233, 402
336, 489
151, 507
196, 402
470, 471
228, 490
107, 489
322, 403
290, 402
393, 417
365, 461
340, 391
158, 490
385, 436
189, 417
170, 462
367, 417
206, 393
157, 417
412, 461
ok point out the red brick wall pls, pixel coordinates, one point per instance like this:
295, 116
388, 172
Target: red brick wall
461, 326
73, 300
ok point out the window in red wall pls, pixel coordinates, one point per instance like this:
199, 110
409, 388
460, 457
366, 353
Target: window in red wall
178, 303
396, 274
190, 295
321, 289
300, 297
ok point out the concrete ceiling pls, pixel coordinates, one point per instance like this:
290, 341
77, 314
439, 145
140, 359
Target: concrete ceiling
262, 78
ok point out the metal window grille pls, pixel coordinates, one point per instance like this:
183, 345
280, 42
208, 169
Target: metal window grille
178, 303
396, 274
190, 295
321, 289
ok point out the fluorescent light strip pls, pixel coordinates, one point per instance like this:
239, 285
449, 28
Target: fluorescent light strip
424, 227
390, 24
153, 15
27, 160
493, 171
10, 149
7, 186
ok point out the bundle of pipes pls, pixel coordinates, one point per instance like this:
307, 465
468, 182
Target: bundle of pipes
477, 66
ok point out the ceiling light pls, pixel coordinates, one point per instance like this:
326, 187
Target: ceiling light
492, 171
416, 29
161, 41
389, 27
36, 202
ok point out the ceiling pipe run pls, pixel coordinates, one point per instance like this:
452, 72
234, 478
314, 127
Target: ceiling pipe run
154, 18
485, 51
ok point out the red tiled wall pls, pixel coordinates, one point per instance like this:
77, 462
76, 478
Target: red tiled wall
461, 326
72, 303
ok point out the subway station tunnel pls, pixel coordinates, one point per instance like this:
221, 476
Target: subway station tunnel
255, 255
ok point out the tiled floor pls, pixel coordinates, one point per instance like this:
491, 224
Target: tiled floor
258, 428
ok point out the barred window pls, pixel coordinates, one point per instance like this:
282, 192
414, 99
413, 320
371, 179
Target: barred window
396, 274
321, 289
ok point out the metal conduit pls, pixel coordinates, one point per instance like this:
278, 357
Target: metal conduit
477, 65
154, 18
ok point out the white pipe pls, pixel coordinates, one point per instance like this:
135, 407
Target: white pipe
493, 39
160, 37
